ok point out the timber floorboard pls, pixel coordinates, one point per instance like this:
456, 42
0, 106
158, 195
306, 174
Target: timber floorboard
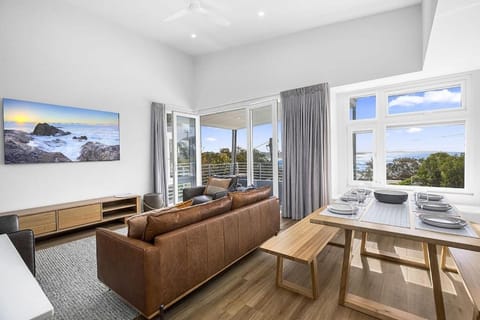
247, 290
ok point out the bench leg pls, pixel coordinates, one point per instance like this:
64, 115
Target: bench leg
392, 257
279, 271
311, 293
313, 275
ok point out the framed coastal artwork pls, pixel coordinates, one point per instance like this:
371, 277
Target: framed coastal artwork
42, 133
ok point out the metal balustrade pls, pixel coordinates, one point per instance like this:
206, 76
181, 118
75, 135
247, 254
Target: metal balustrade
262, 171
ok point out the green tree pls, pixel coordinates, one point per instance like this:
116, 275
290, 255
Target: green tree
402, 168
442, 170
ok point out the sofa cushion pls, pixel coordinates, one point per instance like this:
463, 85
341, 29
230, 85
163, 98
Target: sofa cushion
137, 223
174, 220
244, 198
201, 199
215, 185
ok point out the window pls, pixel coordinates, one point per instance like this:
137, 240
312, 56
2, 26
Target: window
362, 143
363, 108
440, 99
411, 136
432, 156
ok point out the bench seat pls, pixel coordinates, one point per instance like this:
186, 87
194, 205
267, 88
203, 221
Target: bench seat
302, 243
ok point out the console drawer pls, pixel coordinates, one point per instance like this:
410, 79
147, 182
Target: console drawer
40, 223
68, 218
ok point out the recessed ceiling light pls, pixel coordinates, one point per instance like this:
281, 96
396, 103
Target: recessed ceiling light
193, 35
260, 13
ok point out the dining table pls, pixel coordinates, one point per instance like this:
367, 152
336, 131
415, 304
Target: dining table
407, 230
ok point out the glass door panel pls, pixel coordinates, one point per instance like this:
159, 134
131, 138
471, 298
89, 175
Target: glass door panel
263, 146
186, 162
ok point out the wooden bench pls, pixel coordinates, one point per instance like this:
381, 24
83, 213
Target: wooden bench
468, 266
302, 243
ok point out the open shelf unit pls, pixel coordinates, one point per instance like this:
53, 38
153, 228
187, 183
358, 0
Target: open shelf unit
53, 219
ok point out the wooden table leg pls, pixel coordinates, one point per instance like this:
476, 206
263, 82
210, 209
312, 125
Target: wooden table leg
444, 265
363, 244
436, 283
425, 255
347, 257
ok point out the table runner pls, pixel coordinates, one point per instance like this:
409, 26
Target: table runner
390, 214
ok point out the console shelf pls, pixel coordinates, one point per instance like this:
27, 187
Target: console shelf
50, 220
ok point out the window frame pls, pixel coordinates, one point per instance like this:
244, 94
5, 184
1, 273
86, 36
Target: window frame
427, 87
363, 95
384, 120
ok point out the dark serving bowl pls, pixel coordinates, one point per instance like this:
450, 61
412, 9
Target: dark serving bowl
391, 196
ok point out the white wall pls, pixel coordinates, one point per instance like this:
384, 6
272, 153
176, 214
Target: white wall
342, 53
51, 52
428, 14
454, 44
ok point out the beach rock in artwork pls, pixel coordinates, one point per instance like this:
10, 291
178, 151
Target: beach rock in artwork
17, 150
80, 138
44, 129
95, 151
56, 143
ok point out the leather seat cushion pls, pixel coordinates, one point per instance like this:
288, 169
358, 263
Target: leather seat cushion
244, 198
169, 221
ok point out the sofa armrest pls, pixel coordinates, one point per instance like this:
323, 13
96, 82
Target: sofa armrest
127, 267
24, 242
189, 193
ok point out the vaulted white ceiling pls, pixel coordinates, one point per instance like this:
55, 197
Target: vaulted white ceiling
281, 17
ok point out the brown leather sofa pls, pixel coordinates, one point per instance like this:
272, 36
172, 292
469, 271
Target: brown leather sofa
184, 248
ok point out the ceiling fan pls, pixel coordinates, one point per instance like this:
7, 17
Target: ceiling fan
194, 7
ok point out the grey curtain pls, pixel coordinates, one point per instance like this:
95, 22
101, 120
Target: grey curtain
159, 144
306, 129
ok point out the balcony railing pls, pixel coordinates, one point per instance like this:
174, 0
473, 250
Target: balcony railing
262, 171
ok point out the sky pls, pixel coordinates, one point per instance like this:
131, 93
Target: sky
33, 112
214, 139
448, 138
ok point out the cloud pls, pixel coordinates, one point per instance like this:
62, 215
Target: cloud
414, 130
211, 139
444, 96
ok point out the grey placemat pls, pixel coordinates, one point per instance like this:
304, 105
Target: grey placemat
326, 212
390, 214
452, 212
466, 232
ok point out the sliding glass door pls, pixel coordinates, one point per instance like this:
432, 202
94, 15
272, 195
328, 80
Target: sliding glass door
244, 142
186, 153
263, 145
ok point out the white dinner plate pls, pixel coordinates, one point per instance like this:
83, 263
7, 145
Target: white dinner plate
431, 197
342, 208
434, 206
443, 221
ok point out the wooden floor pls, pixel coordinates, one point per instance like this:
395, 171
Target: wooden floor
247, 290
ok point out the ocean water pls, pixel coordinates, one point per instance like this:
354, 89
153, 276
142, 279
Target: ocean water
363, 158
108, 135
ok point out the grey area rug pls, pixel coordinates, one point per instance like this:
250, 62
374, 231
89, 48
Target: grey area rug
68, 275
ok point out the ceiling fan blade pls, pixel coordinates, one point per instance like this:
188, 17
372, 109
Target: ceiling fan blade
176, 15
214, 17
